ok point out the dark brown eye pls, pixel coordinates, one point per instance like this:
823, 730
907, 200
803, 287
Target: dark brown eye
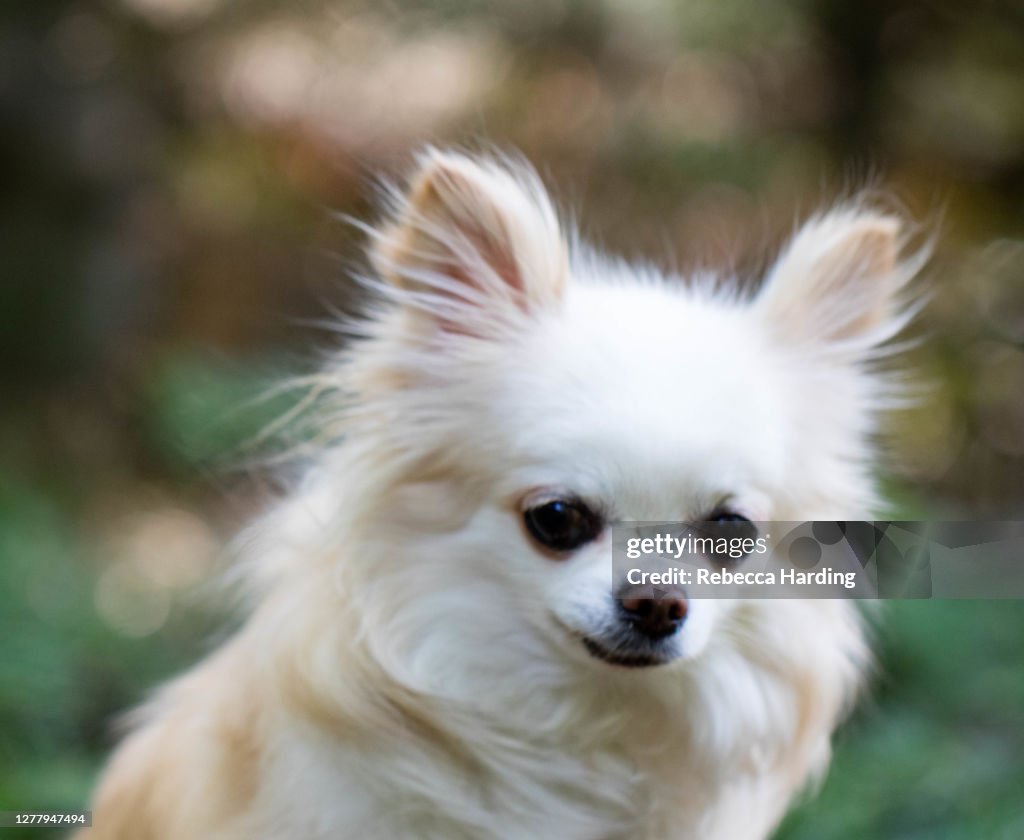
734, 521
562, 524
737, 530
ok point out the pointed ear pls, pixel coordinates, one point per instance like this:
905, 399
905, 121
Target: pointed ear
837, 281
473, 242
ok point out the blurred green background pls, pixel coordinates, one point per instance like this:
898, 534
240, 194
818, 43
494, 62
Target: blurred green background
168, 174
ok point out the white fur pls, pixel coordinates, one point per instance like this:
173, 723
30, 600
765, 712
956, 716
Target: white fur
412, 664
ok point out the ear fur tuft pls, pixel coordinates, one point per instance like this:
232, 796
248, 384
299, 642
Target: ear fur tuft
471, 240
838, 281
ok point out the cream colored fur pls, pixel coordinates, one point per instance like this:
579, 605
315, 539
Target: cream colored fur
411, 664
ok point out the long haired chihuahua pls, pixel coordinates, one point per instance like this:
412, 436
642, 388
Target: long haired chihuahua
434, 646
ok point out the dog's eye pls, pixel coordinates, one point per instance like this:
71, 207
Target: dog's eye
728, 517
733, 527
562, 524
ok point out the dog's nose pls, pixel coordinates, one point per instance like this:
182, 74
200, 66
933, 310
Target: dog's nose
655, 617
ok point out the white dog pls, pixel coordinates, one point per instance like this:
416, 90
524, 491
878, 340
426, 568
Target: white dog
435, 649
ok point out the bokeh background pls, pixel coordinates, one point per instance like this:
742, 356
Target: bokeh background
170, 174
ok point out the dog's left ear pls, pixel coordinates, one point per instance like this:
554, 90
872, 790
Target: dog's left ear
475, 243
838, 281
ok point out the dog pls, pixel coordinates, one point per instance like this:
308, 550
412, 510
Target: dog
433, 645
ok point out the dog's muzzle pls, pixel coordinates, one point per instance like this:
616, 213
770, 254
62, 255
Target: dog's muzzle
647, 619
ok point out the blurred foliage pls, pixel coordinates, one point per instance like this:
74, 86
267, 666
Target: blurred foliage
936, 751
168, 172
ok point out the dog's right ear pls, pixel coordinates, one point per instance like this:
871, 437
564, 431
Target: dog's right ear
473, 244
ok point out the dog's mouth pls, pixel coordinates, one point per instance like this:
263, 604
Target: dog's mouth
622, 658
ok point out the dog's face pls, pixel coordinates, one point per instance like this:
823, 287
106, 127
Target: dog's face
638, 404
545, 395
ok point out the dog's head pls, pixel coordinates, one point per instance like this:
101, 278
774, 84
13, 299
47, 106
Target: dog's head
522, 393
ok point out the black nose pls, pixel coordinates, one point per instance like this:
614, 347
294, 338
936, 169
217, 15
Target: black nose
655, 617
